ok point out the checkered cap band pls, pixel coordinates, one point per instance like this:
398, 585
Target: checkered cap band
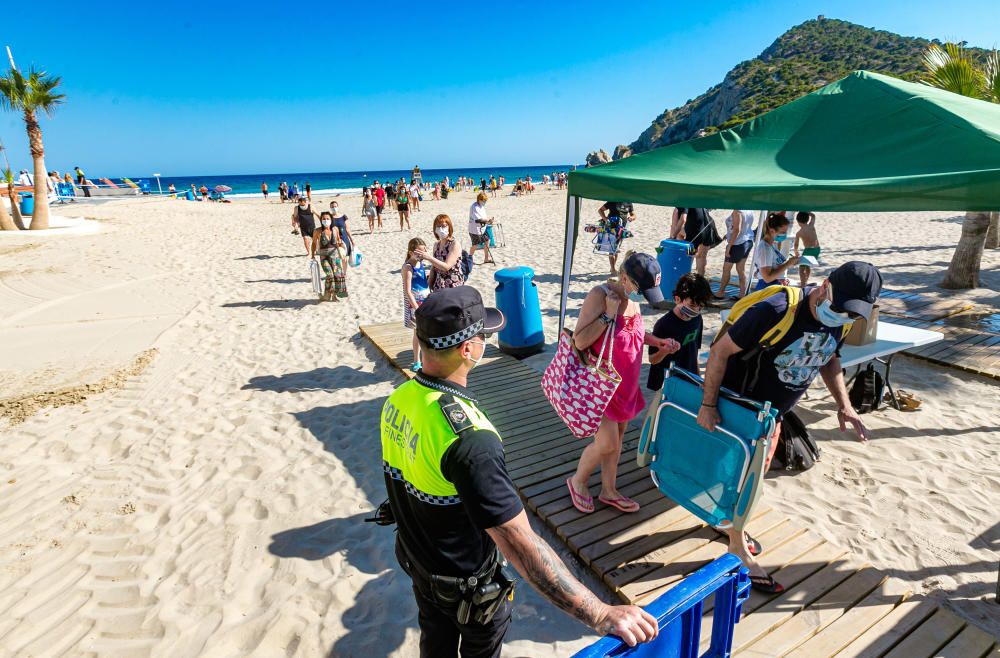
397, 474
458, 338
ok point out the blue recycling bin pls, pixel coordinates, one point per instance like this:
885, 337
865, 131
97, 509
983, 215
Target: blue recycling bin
675, 258
27, 204
189, 195
678, 613
517, 298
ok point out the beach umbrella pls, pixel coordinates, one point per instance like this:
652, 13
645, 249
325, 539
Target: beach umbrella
223, 188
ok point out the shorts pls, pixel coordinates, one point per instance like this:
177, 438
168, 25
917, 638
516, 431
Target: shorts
809, 251
307, 227
402, 207
479, 240
379, 207
739, 252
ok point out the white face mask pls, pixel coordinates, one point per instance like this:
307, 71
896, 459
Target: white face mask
326, 223
334, 209
441, 232
476, 362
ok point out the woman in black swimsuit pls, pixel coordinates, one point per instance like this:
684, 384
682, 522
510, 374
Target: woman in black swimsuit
304, 221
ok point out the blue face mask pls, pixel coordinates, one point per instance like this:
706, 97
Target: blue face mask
780, 238
829, 317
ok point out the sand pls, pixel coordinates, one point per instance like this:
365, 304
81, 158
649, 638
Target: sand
212, 504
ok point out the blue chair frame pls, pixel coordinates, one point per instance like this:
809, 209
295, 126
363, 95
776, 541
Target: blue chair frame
679, 613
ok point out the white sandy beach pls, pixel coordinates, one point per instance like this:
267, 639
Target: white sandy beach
212, 504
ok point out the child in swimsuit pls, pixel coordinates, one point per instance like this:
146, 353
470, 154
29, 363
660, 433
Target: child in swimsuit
810, 243
415, 291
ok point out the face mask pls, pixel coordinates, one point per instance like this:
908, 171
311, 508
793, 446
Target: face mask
687, 312
441, 232
326, 223
829, 317
481, 355
780, 237
334, 208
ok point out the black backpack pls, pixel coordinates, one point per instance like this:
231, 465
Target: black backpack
867, 391
796, 450
466, 261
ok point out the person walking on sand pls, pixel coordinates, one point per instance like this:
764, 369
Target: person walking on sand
343, 229
458, 515
263, 190
379, 195
327, 244
615, 216
403, 206
416, 287
478, 222
415, 195
309, 191
609, 307
783, 372
368, 210
304, 222
283, 191
739, 242
770, 264
446, 257
810, 245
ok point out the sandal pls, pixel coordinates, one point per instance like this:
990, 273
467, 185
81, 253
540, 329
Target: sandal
766, 585
582, 503
622, 503
908, 401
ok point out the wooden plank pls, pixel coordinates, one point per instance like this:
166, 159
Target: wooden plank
643, 528
558, 498
779, 610
854, 622
819, 615
889, 630
925, 640
969, 643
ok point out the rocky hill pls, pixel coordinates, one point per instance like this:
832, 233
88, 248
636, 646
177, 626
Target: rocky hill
802, 60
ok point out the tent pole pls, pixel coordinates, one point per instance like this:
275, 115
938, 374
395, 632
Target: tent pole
756, 245
572, 216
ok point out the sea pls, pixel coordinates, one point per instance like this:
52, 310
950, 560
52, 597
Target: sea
346, 182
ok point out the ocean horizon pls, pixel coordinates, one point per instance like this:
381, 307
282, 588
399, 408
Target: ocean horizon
344, 182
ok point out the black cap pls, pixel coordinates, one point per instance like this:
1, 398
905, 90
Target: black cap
645, 271
451, 316
856, 287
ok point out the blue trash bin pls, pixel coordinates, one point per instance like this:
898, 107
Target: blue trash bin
675, 258
189, 195
517, 298
678, 613
27, 204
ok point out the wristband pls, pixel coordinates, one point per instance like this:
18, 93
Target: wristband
606, 319
710, 406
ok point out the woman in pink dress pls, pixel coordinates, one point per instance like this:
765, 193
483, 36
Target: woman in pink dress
607, 304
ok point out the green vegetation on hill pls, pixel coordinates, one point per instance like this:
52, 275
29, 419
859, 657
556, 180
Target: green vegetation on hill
801, 60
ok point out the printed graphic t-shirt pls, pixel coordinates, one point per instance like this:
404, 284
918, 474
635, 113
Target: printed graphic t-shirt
786, 369
688, 334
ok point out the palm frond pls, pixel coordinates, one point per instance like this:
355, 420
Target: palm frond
7, 175
30, 93
951, 69
991, 77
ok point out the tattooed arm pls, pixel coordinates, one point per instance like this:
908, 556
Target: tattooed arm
540, 566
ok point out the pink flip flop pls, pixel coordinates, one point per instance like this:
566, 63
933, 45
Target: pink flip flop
622, 503
582, 503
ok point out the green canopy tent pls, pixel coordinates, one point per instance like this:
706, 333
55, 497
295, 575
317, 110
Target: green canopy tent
868, 142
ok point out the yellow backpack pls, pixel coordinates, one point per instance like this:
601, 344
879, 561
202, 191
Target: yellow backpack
773, 335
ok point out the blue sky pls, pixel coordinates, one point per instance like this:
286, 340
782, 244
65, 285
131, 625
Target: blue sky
229, 88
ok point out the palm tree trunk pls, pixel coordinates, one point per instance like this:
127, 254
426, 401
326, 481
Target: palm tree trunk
963, 272
993, 234
6, 223
40, 218
14, 208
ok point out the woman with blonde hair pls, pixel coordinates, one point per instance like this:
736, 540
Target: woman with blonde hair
447, 256
415, 290
478, 222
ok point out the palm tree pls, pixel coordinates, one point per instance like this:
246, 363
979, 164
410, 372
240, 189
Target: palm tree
7, 176
29, 95
952, 69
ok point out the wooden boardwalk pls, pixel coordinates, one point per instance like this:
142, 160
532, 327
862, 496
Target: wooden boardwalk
835, 605
968, 350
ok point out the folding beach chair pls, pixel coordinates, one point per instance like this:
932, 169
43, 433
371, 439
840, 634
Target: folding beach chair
714, 475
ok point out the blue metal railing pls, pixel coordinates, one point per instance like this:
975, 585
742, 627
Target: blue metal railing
679, 613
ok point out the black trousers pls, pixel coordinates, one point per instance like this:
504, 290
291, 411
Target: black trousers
441, 636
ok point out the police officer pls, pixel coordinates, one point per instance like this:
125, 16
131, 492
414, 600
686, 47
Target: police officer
455, 504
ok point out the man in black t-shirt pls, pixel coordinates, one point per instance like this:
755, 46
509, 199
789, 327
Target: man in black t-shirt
615, 215
454, 502
695, 226
783, 371
683, 324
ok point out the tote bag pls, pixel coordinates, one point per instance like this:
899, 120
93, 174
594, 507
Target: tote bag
577, 389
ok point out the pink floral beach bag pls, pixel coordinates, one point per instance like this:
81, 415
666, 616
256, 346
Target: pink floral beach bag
580, 386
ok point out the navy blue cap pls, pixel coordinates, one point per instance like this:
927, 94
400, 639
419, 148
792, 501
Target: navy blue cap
645, 271
856, 287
